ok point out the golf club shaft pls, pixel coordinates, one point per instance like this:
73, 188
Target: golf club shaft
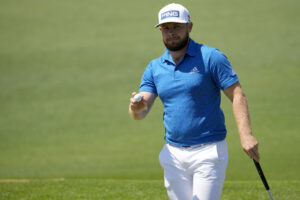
263, 178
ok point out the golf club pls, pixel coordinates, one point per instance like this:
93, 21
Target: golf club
263, 178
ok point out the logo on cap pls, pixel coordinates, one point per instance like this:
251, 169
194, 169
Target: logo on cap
171, 13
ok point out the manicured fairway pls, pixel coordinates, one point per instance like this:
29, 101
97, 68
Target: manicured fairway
96, 189
67, 70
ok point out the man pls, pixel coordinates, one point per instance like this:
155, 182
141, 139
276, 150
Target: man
188, 78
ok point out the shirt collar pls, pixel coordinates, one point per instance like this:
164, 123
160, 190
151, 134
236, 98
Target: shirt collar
192, 48
191, 51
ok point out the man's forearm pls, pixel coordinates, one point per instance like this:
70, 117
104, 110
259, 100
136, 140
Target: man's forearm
241, 113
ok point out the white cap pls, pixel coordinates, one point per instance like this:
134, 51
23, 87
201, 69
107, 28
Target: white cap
173, 13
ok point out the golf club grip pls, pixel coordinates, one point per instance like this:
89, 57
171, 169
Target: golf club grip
261, 174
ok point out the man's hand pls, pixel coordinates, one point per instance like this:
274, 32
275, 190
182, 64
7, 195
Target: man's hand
250, 146
139, 110
137, 106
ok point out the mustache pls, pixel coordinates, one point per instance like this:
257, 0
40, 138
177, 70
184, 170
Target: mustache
172, 38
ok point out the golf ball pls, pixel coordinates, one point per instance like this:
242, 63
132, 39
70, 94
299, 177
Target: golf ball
137, 97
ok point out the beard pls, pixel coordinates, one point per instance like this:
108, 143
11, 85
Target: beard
176, 45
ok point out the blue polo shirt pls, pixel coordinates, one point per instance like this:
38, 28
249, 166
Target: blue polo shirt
190, 93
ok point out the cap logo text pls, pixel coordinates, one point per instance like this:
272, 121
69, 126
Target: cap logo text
171, 13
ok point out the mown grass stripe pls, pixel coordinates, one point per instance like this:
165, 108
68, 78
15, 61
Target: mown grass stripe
127, 180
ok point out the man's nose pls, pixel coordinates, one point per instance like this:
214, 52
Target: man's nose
171, 30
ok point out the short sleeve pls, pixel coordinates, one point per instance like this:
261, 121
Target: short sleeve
221, 70
147, 82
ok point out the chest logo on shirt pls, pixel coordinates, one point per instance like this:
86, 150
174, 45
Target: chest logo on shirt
233, 72
194, 70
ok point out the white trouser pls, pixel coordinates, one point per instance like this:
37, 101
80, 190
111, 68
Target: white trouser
196, 173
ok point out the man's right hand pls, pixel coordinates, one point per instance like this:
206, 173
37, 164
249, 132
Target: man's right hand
139, 110
135, 106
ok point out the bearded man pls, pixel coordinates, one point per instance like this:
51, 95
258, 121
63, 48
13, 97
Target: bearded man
189, 78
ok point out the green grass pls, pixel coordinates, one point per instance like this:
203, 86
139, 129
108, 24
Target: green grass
65, 189
67, 69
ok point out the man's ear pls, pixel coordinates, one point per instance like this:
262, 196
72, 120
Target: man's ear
160, 28
190, 26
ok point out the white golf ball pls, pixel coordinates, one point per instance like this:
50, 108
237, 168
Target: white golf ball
137, 97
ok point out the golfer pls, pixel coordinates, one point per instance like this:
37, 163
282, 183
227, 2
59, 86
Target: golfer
188, 78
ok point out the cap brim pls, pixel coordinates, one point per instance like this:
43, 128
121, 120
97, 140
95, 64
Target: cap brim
171, 21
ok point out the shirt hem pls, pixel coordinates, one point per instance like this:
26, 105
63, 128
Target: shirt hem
206, 139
